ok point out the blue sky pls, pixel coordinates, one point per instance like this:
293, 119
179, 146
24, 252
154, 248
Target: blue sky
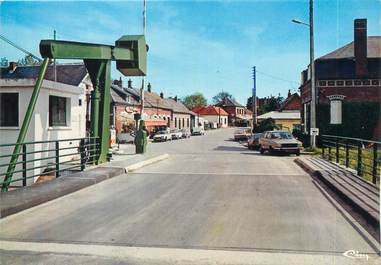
198, 46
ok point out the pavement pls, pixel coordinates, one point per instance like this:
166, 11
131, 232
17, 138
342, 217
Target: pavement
26, 197
211, 202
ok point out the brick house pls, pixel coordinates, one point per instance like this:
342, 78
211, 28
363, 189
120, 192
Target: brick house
159, 112
237, 113
125, 102
292, 102
348, 88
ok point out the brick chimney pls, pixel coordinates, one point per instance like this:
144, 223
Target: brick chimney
149, 88
360, 48
129, 83
161, 95
12, 66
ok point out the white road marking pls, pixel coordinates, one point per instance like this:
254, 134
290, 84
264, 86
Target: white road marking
174, 255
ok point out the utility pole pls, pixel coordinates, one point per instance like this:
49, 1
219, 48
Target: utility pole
54, 61
254, 99
312, 72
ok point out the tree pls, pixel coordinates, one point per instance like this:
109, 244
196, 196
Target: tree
220, 96
194, 100
266, 104
265, 125
4, 62
28, 60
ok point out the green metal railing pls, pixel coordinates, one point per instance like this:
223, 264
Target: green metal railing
364, 156
45, 158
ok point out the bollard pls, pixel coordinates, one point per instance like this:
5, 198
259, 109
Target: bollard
141, 139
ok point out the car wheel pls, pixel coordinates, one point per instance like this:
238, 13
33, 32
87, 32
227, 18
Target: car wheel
297, 153
261, 150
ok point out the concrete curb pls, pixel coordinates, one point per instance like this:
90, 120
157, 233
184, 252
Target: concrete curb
27, 197
145, 163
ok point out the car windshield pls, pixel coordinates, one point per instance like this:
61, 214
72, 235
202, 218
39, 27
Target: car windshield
281, 135
161, 132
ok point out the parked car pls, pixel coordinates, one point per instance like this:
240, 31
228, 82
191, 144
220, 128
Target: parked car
176, 134
279, 141
253, 141
242, 134
198, 131
185, 133
162, 136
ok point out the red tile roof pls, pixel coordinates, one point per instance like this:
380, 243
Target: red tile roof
210, 110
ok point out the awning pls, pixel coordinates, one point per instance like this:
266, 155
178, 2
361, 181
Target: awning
155, 123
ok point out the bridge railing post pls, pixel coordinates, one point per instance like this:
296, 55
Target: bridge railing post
359, 158
346, 153
375, 163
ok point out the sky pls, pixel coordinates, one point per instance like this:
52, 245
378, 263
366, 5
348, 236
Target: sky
198, 46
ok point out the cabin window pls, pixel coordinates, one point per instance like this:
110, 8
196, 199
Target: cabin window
9, 109
57, 111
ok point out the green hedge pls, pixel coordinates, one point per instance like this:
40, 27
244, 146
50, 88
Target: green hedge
359, 119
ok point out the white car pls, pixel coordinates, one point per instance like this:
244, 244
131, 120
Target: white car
198, 131
162, 136
176, 134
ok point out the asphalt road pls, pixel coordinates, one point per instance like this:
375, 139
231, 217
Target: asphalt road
211, 195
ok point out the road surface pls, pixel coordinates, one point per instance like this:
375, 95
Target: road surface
212, 201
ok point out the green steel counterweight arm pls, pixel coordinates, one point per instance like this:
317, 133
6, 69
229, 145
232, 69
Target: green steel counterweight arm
130, 54
25, 125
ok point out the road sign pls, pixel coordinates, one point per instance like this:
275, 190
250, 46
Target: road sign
314, 131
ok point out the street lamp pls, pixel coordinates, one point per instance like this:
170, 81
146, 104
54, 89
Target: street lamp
312, 72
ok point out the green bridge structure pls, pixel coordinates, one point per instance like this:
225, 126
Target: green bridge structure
130, 54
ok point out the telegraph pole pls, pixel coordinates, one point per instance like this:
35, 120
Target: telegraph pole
312, 66
254, 99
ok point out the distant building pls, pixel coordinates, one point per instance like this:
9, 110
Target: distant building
213, 115
292, 102
159, 112
285, 120
348, 86
238, 114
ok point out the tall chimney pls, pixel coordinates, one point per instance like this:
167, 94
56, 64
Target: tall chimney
161, 95
129, 83
360, 47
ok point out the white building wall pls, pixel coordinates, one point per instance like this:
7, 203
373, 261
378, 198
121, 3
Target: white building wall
215, 118
39, 129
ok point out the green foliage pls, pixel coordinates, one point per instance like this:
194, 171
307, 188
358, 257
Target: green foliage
220, 96
265, 125
28, 60
359, 119
194, 100
4, 62
271, 103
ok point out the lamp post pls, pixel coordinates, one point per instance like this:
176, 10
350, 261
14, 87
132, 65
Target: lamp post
312, 72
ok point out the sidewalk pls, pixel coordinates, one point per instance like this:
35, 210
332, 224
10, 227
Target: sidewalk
36, 194
360, 194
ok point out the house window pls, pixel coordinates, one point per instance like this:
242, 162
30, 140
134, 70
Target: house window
188, 122
57, 111
9, 109
183, 123
175, 122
